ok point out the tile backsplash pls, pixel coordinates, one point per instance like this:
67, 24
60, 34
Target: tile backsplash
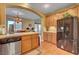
52, 29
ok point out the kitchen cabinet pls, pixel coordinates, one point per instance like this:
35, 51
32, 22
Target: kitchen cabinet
49, 37
26, 43
55, 20
78, 11
49, 21
2, 14
53, 38
45, 36
73, 11
46, 22
59, 15
35, 42
29, 42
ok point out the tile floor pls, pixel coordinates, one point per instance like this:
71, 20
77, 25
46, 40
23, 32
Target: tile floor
48, 49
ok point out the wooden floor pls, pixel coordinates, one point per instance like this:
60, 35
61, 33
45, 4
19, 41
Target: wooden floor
48, 49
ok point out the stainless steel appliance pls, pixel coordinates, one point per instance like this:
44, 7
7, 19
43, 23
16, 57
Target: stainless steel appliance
10, 46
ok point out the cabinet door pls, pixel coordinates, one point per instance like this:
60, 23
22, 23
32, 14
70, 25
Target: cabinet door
51, 20
35, 41
49, 37
26, 43
55, 20
53, 38
45, 36
2, 14
68, 46
73, 11
47, 21
78, 12
59, 15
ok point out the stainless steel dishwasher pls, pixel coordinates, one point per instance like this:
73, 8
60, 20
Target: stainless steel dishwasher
10, 46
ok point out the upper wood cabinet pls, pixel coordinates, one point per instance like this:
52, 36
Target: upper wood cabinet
78, 11
59, 15
52, 19
49, 21
73, 11
46, 22
56, 17
2, 14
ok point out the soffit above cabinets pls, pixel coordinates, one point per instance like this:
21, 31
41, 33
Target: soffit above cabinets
48, 8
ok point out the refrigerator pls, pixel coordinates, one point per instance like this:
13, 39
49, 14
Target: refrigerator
67, 34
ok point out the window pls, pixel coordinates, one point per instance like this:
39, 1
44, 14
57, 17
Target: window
18, 26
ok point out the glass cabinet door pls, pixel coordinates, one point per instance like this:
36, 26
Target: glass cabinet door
68, 28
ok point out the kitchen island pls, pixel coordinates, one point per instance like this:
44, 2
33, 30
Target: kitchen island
29, 40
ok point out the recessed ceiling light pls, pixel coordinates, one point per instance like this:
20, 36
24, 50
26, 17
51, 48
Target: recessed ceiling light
46, 5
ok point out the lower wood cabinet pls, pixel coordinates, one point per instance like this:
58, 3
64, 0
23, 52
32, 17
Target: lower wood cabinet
26, 43
35, 41
49, 37
53, 38
29, 42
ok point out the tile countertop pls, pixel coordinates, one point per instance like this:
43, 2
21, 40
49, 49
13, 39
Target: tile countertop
16, 34
51, 31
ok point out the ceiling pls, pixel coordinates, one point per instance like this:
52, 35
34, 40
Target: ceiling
22, 13
47, 8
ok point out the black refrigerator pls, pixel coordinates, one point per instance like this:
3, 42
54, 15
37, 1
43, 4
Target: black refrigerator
68, 34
